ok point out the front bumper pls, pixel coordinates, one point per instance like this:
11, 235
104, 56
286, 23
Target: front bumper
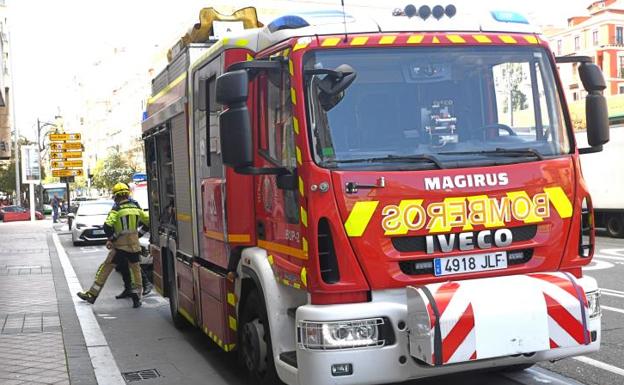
394, 363
89, 234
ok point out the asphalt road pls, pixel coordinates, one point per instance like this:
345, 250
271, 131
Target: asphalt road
146, 339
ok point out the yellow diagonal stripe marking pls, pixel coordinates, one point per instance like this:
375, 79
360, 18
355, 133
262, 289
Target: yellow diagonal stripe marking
231, 299
296, 125
232, 321
301, 187
330, 42
304, 246
359, 218
242, 42
291, 69
298, 154
359, 40
415, 39
531, 39
456, 39
482, 39
387, 39
435, 40
304, 217
293, 96
249, 57
304, 276
507, 39
560, 200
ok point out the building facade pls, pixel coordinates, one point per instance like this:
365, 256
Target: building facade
598, 34
5, 83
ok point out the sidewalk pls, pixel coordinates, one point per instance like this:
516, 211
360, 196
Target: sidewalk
40, 338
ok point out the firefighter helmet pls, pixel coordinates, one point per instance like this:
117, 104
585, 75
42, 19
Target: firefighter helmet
121, 188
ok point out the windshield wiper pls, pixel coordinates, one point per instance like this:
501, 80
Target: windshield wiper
500, 151
392, 158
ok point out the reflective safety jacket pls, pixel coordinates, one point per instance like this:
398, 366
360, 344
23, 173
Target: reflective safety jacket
123, 224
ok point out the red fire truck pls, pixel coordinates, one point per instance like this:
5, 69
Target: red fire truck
349, 201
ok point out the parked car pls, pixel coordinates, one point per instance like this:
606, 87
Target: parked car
88, 221
47, 209
17, 213
75, 203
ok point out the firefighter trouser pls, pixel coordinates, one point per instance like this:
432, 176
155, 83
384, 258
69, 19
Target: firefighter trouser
124, 270
113, 258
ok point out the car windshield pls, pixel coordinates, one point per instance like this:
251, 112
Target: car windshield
434, 107
87, 209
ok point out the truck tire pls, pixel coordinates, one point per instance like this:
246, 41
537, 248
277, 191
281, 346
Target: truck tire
256, 351
615, 225
178, 321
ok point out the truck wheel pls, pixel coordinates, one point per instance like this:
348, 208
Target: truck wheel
256, 351
178, 321
615, 225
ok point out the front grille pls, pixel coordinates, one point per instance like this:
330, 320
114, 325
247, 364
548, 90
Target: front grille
419, 243
425, 266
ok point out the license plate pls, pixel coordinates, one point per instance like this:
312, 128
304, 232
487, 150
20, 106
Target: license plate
470, 263
98, 232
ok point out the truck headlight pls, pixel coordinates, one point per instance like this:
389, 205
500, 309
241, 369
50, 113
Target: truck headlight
350, 334
593, 300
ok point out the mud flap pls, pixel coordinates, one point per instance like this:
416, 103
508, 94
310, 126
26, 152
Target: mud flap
460, 321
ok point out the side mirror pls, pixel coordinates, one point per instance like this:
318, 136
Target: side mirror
597, 115
71, 215
235, 126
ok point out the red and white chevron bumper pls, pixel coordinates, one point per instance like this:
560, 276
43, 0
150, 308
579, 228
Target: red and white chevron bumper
476, 319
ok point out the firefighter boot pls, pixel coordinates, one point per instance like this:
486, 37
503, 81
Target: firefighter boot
124, 294
87, 296
136, 301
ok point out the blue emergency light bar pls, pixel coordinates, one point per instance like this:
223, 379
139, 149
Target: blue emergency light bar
509, 17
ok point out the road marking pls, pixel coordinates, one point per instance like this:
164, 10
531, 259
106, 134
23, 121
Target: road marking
612, 293
615, 309
104, 365
598, 265
609, 257
600, 365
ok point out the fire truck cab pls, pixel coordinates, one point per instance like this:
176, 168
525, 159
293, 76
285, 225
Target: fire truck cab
349, 201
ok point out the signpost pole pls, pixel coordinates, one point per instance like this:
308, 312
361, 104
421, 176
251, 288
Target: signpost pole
31, 190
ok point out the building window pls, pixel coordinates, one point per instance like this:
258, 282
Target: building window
559, 46
621, 66
595, 37
577, 43
619, 35
621, 90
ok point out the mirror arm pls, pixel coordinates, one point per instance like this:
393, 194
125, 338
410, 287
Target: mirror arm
574, 59
253, 67
262, 170
590, 150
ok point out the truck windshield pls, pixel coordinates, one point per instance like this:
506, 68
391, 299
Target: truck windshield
437, 107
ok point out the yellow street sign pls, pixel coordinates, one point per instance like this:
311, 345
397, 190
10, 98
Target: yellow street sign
64, 137
66, 146
65, 155
66, 163
62, 173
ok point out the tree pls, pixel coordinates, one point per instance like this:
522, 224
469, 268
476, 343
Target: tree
113, 169
514, 76
7, 171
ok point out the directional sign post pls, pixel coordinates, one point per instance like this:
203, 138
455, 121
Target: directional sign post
66, 163
66, 146
65, 137
65, 155
63, 173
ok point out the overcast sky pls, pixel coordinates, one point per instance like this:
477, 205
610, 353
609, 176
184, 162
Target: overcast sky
53, 42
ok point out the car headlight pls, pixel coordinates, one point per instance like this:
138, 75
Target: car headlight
593, 301
351, 334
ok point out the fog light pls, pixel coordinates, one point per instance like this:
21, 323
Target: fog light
593, 300
350, 334
341, 370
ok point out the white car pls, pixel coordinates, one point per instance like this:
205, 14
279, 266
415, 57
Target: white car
88, 223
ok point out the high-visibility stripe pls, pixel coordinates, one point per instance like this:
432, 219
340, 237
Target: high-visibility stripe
296, 125
231, 299
565, 320
301, 187
359, 40
531, 39
238, 238
456, 39
330, 42
168, 88
183, 217
507, 39
304, 245
482, 39
304, 217
304, 276
242, 43
458, 334
291, 69
435, 40
359, 217
387, 39
283, 249
249, 57
298, 154
232, 322
415, 39
560, 200
270, 258
293, 96
301, 44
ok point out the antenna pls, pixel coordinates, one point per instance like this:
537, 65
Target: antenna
344, 20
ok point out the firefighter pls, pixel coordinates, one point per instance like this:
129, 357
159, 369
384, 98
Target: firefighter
122, 229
